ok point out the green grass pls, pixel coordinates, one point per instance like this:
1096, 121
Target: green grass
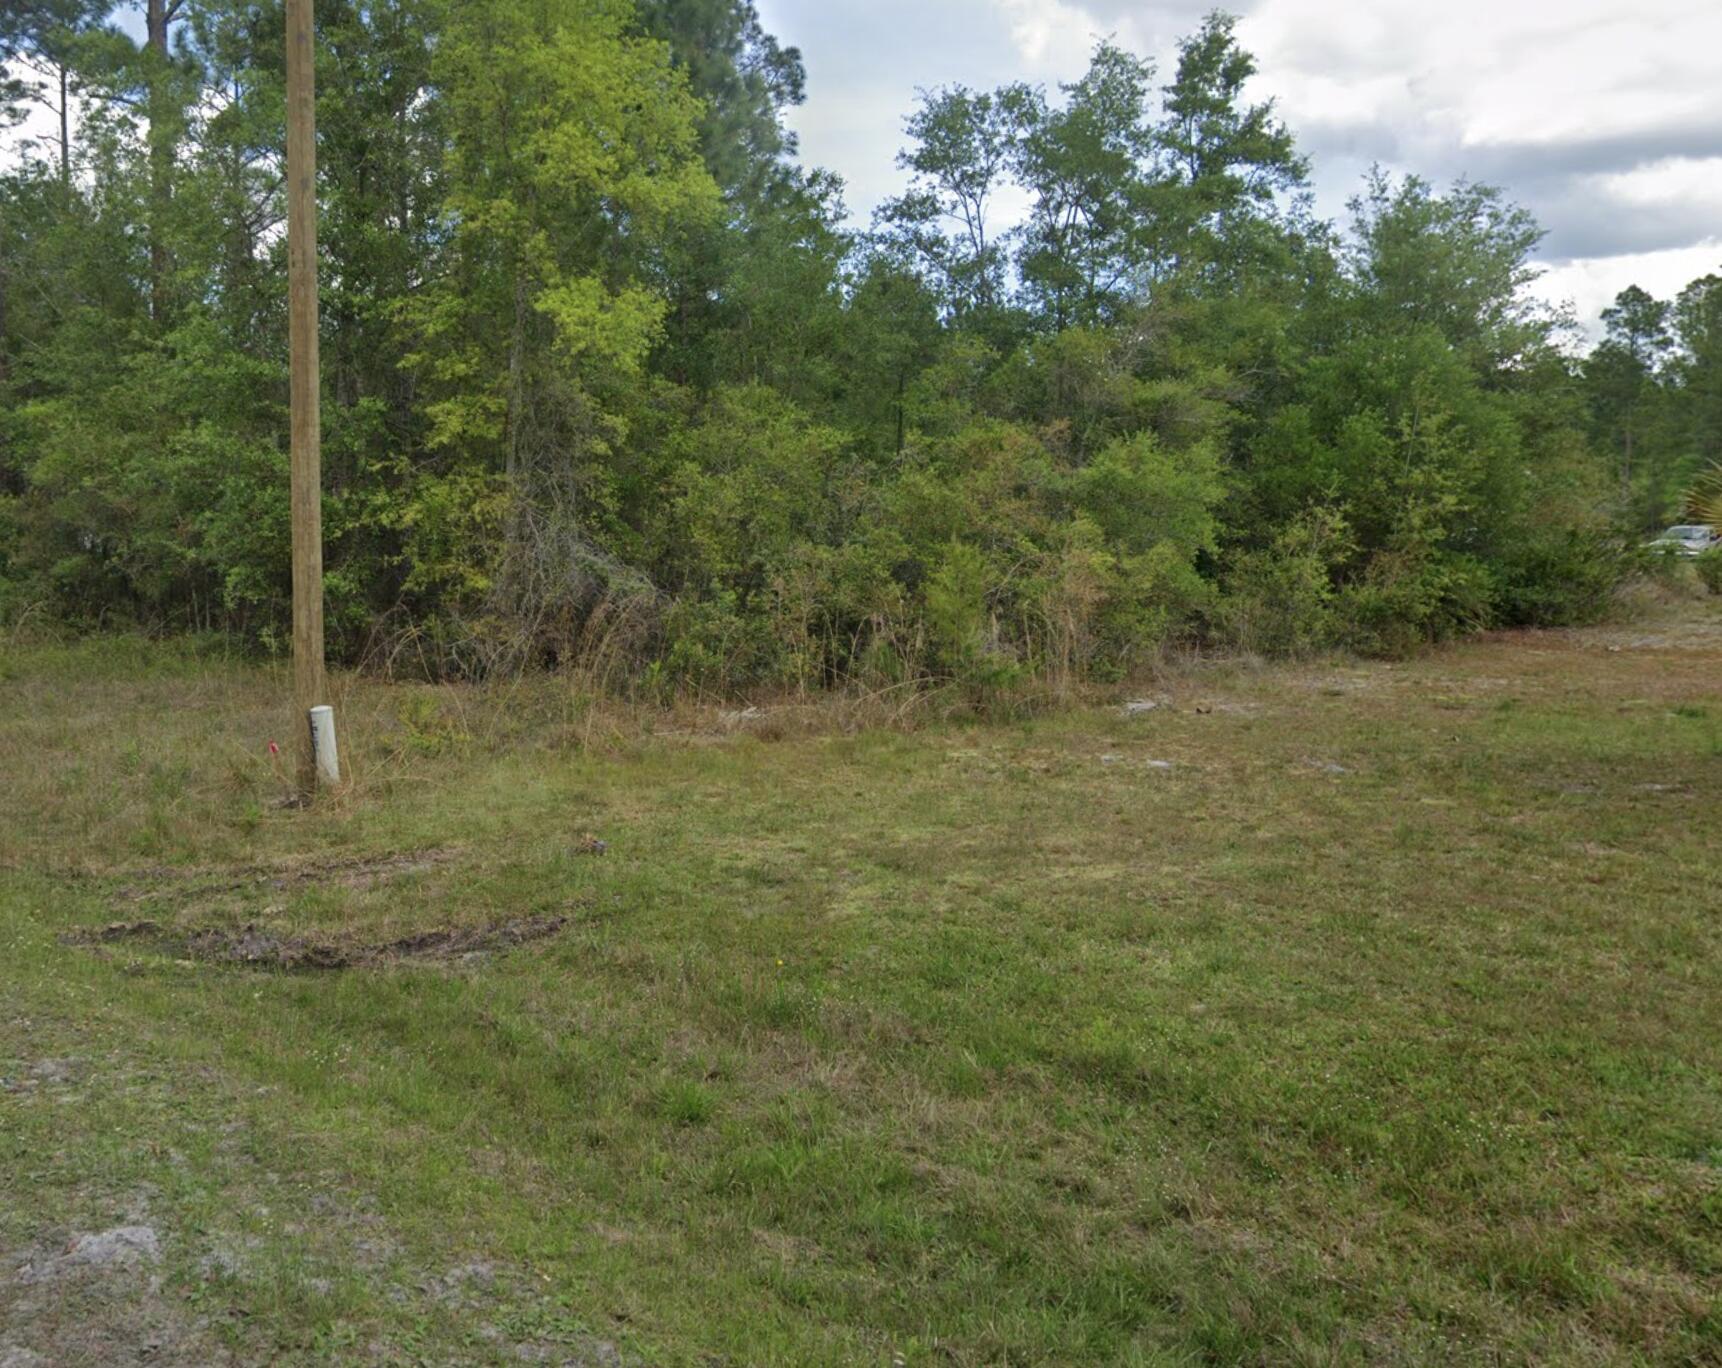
1386, 1025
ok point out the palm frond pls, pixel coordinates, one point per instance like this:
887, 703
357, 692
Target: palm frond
1704, 498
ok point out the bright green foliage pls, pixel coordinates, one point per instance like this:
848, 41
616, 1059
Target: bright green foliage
1281, 599
1153, 509
561, 122
1435, 425
753, 483
755, 479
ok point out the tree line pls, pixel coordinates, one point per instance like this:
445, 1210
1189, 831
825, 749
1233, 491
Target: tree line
608, 376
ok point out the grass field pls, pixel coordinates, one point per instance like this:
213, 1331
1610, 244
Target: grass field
1332, 1013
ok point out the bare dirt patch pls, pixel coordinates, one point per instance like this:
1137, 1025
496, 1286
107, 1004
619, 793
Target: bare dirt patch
258, 948
355, 873
97, 1298
122, 1247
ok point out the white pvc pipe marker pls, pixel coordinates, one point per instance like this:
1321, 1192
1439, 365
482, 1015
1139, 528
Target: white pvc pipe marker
323, 745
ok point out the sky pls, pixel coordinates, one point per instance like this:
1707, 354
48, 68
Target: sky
1602, 117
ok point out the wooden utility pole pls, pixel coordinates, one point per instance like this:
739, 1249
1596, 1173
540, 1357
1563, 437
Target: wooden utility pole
308, 679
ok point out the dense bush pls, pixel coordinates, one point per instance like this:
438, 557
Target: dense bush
1559, 577
608, 380
1282, 599
1710, 569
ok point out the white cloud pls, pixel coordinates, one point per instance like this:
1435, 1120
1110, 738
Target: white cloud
1514, 92
1048, 33
1687, 182
1054, 38
1478, 71
1590, 284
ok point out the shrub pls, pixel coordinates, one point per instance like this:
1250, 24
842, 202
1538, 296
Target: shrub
1561, 577
1280, 600
960, 623
1709, 567
1412, 595
1145, 514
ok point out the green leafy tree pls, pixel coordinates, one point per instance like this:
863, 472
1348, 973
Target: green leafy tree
1625, 382
765, 270
1226, 162
1457, 263
963, 144
574, 159
46, 38
744, 79
1087, 167
1698, 326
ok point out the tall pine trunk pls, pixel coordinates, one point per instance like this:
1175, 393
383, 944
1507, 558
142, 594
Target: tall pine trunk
5, 370
11, 481
65, 129
158, 16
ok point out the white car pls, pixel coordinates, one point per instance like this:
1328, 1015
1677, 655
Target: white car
1688, 539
